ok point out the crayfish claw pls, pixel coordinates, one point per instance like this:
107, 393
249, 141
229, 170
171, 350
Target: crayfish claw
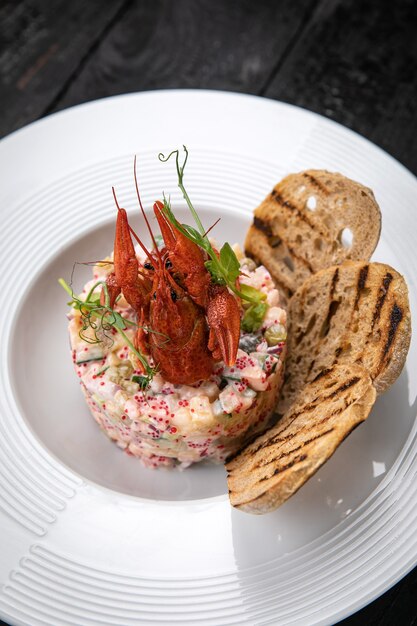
169, 234
223, 316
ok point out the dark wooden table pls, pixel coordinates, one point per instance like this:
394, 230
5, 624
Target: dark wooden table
354, 61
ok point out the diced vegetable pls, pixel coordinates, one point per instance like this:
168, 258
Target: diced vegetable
249, 342
275, 334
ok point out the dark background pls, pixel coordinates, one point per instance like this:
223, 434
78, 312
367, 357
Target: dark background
354, 61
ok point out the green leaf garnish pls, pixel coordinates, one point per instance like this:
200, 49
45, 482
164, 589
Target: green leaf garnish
225, 269
230, 263
253, 317
101, 318
255, 313
254, 294
215, 276
142, 381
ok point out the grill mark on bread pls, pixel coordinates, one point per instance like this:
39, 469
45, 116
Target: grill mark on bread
263, 226
316, 183
312, 405
383, 291
279, 470
304, 409
395, 319
365, 330
275, 195
300, 336
306, 438
275, 241
248, 442
315, 235
349, 383
333, 306
321, 374
363, 275
276, 438
299, 258
331, 312
282, 455
266, 229
298, 459
279, 441
360, 286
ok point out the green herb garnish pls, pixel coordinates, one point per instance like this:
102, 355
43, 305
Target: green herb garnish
225, 267
101, 318
142, 381
255, 313
253, 318
255, 295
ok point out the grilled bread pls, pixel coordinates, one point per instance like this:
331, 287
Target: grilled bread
278, 463
310, 221
357, 312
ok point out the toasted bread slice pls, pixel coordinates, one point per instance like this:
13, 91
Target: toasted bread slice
356, 312
278, 463
310, 221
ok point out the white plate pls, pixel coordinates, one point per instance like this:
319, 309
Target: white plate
87, 535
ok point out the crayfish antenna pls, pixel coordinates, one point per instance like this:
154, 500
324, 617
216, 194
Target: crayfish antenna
212, 226
115, 199
145, 217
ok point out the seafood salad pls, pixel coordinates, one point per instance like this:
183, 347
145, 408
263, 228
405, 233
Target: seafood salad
179, 347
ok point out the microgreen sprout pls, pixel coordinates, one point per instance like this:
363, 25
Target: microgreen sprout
101, 318
224, 267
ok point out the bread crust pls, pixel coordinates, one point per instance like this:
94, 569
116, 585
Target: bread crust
299, 228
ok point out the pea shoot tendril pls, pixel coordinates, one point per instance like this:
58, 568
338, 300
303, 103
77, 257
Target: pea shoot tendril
224, 267
101, 319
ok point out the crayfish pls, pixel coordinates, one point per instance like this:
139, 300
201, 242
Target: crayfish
185, 321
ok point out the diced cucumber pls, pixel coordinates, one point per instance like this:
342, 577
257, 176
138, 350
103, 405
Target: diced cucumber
94, 352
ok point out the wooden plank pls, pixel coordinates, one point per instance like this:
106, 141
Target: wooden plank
356, 63
200, 44
43, 44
